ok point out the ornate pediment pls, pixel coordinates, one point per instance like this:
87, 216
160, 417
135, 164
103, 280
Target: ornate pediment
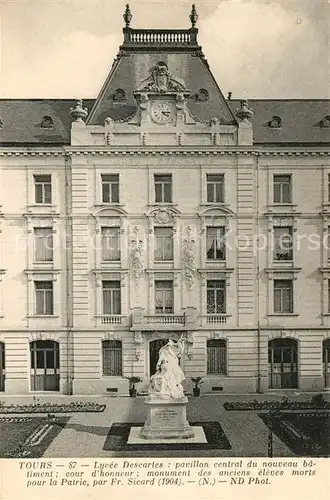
164, 215
221, 211
161, 80
114, 211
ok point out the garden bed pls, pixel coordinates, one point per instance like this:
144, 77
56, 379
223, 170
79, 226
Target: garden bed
304, 433
74, 407
28, 437
316, 402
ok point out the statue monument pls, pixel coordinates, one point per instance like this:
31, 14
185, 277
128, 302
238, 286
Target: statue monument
166, 401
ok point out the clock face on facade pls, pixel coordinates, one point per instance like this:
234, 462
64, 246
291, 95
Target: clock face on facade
162, 112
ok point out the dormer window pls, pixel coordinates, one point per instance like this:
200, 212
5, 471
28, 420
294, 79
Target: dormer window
119, 95
47, 122
202, 95
275, 122
325, 122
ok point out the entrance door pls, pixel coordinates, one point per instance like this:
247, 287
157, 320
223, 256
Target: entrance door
326, 363
2, 366
154, 347
283, 364
45, 365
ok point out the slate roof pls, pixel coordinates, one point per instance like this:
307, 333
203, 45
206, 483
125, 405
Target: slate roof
300, 120
20, 120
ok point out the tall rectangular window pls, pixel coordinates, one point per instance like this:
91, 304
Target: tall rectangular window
163, 188
43, 244
44, 302
110, 188
111, 297
283, 243
283, 296
282, 189
216, 357
328, 188
163, 243
110, 243
215, 243
112, 357
215, 188
328, 296
216, 296
43, 189
164, 297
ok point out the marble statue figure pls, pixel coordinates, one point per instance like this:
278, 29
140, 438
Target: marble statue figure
167, 381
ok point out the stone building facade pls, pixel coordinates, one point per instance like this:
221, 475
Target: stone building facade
163, 209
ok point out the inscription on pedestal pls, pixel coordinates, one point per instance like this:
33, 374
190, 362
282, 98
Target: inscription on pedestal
165, 416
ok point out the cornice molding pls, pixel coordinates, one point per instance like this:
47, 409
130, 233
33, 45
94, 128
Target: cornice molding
164, 151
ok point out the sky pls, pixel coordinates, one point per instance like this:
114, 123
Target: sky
256, 49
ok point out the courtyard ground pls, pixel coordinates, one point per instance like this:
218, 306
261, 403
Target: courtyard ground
85, 433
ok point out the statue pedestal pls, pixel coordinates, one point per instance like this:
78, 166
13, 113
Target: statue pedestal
167, 419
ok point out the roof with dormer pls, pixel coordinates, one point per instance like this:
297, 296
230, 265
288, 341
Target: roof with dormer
48, 121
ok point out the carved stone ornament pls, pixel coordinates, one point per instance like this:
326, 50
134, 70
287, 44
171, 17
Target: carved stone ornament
215, 121
189, 259
161, 80
137, 249
108, 122
144, 101
138, 339
244, 113
78, 112
163, 216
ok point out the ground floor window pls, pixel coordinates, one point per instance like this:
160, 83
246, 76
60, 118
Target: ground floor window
216, 357
112, 357
2, 366
283, 363
45, 365
326, 362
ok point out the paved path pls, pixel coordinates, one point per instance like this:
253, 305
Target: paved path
85, 434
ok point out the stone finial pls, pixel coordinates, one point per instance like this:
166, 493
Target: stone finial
79, 113
229, 95
244, 113
193, 16
127, 16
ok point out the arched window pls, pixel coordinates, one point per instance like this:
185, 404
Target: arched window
47, 122
2, 366
275, 122
202, 95
216, 357
325, 122
112, 357
119, 95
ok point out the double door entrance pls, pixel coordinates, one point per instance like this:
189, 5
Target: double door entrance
45, 365
283, 364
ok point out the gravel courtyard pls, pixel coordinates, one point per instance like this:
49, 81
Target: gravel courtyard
85, 433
